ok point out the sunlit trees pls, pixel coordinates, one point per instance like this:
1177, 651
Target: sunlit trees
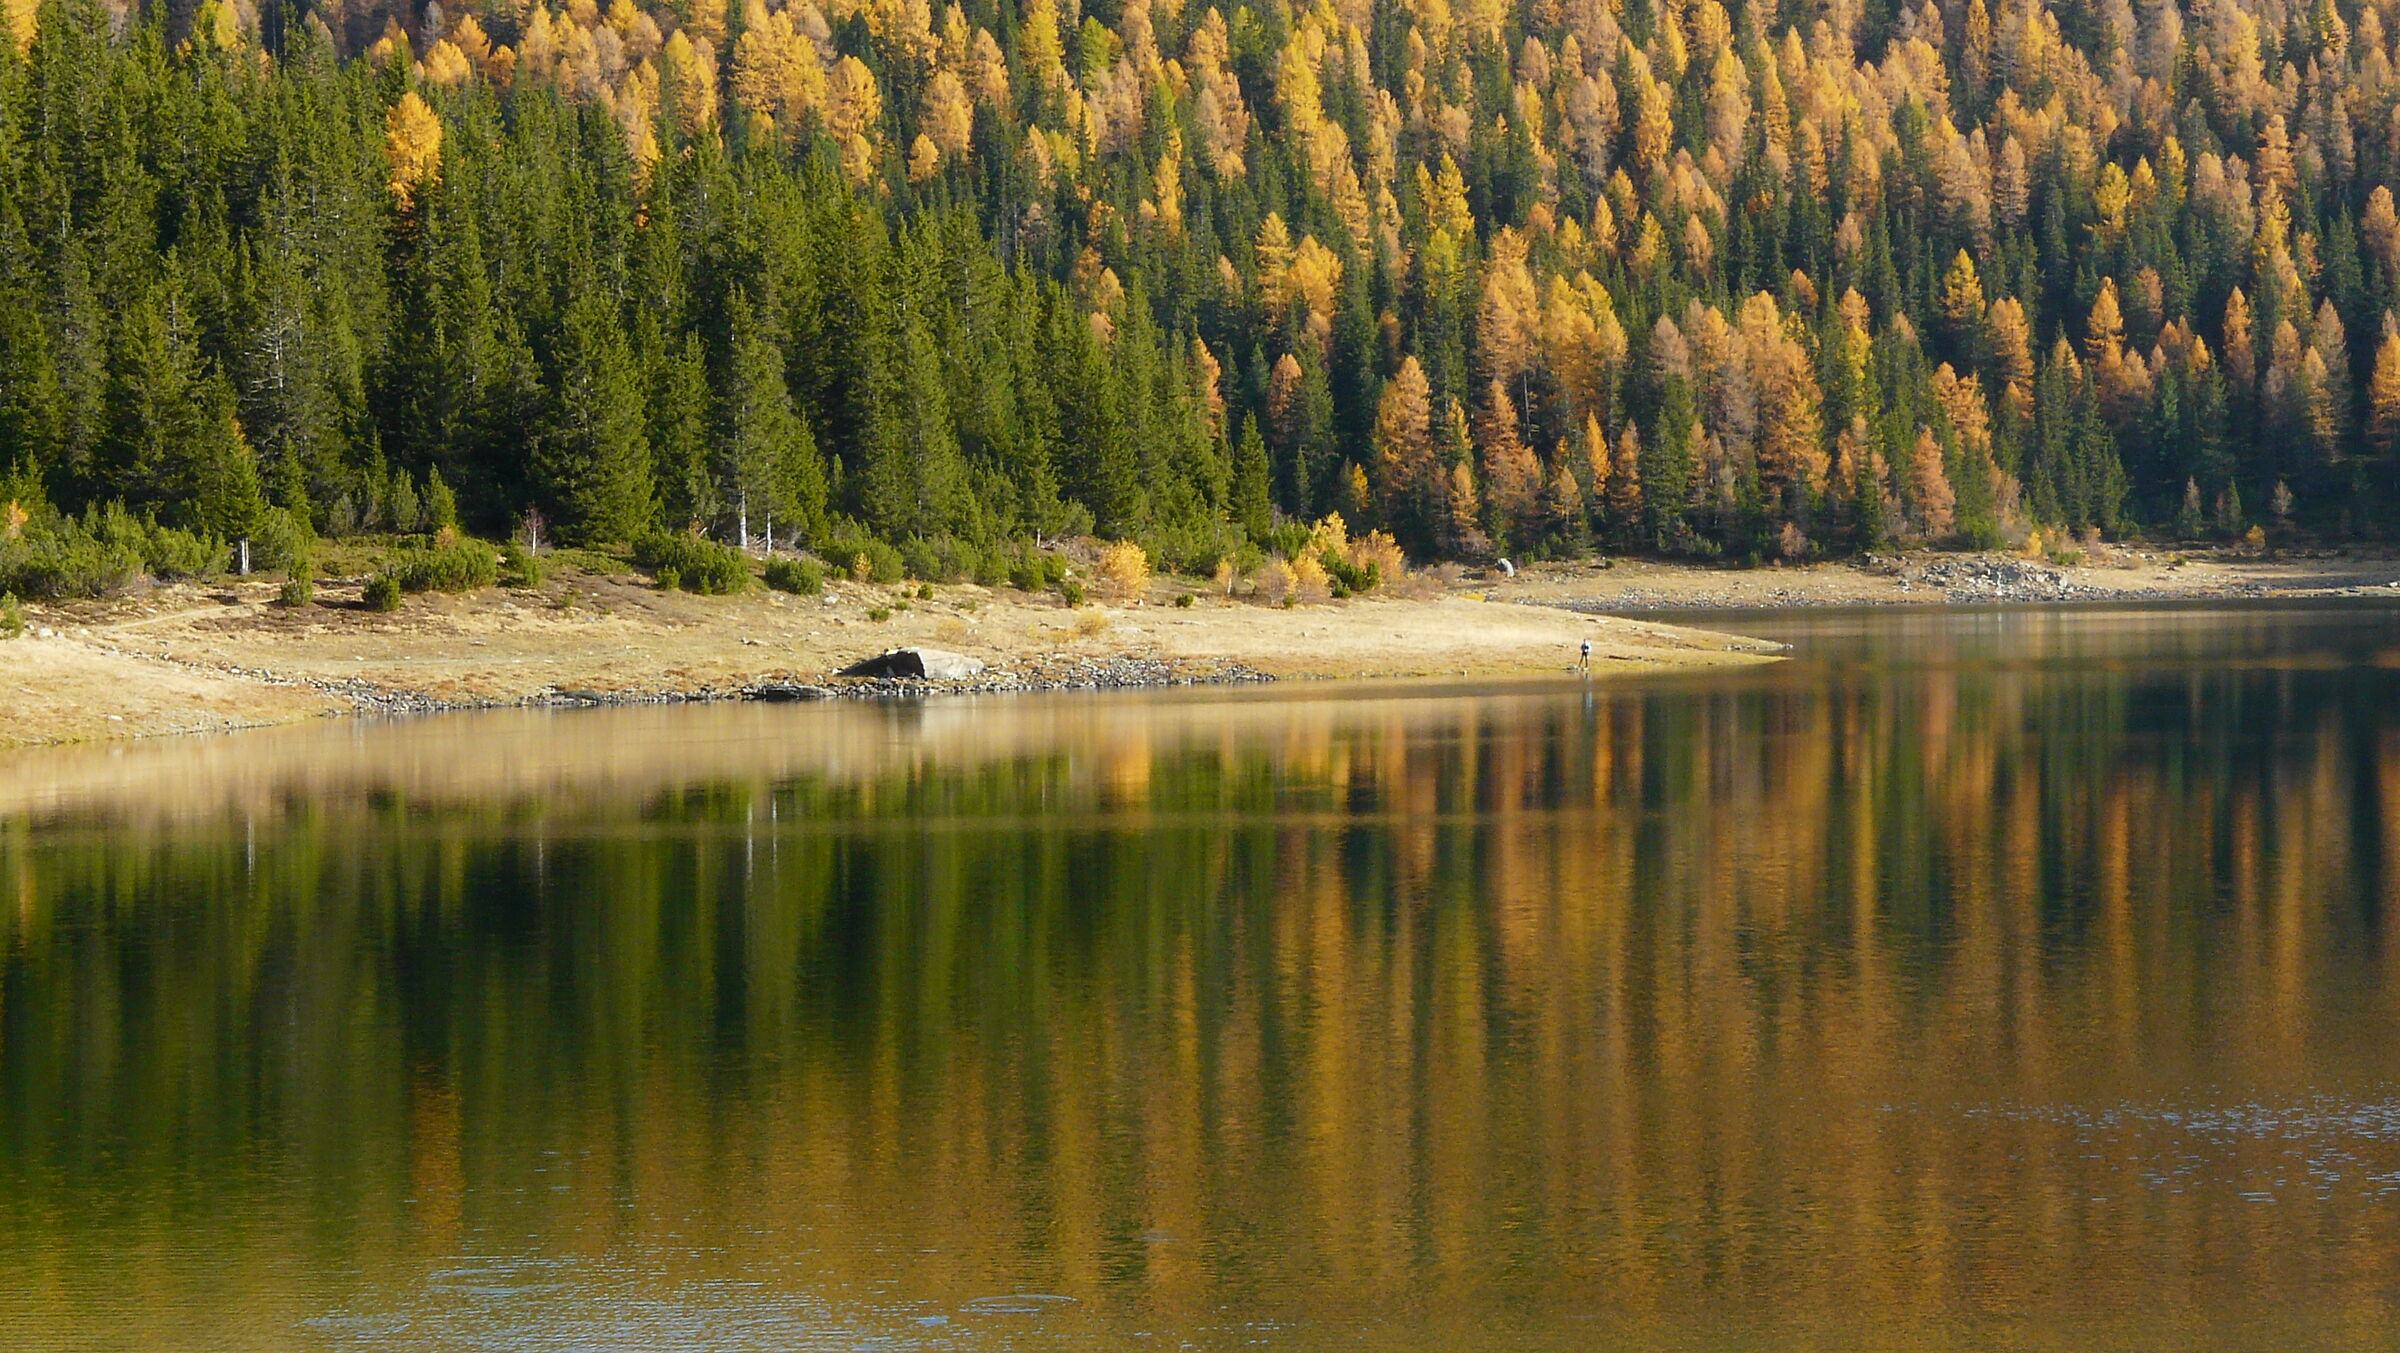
1116, 263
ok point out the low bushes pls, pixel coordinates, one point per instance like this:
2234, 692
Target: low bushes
697, 564
941, 559
1124, 570
519, 566
863, 558
383, 593
455, 566
1350, 579
281, 540
54, 558
1323, 561
804, 577
58, 558
1032, 570
166, 552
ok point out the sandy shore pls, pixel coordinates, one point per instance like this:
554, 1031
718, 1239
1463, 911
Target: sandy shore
191, 658
1941, 578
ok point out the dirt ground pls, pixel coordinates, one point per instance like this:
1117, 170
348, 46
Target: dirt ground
191, 657
2109, 574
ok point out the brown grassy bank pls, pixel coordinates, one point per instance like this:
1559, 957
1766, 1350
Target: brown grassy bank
195, 657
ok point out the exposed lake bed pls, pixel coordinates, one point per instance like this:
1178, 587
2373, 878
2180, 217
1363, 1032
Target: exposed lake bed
191, 658
2002, 978
188, 658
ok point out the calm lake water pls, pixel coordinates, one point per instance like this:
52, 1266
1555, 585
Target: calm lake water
1994, 979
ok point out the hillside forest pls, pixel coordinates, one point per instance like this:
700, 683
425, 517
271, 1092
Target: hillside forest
1533, 278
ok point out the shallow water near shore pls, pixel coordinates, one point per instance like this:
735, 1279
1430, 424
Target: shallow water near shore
1996, 978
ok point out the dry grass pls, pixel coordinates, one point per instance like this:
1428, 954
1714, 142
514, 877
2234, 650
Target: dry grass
187, 656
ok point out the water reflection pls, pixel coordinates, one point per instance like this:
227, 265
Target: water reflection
2013, 979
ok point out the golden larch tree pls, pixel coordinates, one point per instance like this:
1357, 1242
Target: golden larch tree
946, 115
2241, 351
1962, 300
2383, 390
1930, 499
1625, 483
412, 140
1403, 437
1512, 476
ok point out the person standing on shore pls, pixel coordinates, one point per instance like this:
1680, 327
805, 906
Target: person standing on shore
1583, 663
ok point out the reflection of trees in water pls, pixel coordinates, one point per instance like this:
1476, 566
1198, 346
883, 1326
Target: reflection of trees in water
1635, 999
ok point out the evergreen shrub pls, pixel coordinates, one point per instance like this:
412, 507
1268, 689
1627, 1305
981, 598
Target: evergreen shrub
519, 566
280, 541
864, 558
56, 559
942, 559
699, 565
460, 566
1032, 570
382, 593
803, 577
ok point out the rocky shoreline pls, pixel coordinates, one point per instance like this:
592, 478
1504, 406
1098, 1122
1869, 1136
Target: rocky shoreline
1052, 675
1943, 580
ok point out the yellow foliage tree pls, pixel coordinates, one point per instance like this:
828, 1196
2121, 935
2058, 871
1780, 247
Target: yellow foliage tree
22, 16
2383, 392
1930, 498
1625, 483
1404, 438
1962, 299
412, 140
947, 115
1512, 477
853, 101
2011, 340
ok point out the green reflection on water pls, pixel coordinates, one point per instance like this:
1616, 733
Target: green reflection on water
2009, 979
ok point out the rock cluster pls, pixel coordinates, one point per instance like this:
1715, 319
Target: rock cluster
1997, 578
1058, 673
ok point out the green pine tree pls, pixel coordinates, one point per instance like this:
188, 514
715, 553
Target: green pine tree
592, 465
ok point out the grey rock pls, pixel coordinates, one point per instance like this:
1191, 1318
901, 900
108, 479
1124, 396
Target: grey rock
916, 664
788, 691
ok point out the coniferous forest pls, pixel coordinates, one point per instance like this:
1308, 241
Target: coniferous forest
1663, 276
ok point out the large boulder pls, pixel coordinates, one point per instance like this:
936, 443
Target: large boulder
912, 664
785, 691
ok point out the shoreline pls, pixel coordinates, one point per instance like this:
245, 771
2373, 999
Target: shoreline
216, 657
1931, 578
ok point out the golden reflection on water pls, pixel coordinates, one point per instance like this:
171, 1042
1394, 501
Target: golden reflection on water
2023, 992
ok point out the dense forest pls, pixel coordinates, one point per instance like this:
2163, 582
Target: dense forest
1651, 275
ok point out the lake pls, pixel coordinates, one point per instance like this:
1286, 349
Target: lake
1998, 978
